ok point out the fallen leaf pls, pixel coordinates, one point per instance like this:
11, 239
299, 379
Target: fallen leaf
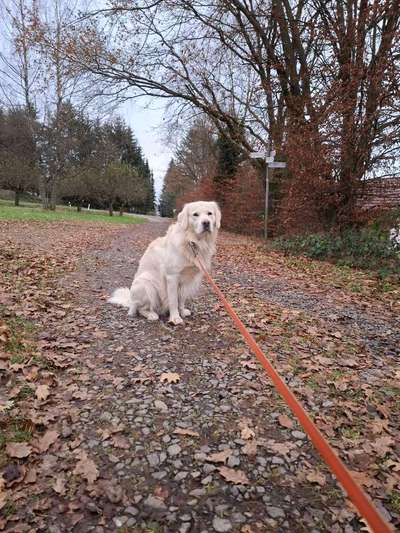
316, 477
44, 443
80, 394
250, 364
219, 457
238, 477
6, 406
74, 518
31, 476
13, 474
161, 492
18, 449
383, 445
394, 465
188, 432
112, 490
75, 443
59, 485
282, 448
100, 334
86, 468
119, 441
248, 529
107, 432
170, 377
42, 392
348, 361
363, 479
32, 373
378, 425
250, 448
285, 421
247, 433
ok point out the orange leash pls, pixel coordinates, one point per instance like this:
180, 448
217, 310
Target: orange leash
359, 498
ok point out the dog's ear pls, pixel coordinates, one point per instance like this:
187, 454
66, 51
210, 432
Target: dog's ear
183, 218
217, 212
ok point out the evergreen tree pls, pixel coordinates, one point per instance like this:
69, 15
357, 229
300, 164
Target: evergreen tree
169, 191
229, 156
18, 152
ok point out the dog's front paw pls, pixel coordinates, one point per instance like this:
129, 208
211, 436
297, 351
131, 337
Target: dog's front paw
175, 319
185, 312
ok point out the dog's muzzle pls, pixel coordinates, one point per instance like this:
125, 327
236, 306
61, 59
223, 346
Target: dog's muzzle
206, 225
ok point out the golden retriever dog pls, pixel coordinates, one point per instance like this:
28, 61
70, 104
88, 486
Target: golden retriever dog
167, 276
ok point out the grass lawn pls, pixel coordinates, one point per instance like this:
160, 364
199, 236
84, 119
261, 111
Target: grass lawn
30, 211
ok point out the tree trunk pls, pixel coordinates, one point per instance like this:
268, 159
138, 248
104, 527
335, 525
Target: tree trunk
121, 211
16, 199
110, 209
53, 195
43, 192
79, 208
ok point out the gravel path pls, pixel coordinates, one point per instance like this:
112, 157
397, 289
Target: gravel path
199, 451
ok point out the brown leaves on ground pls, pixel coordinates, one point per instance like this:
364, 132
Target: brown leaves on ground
111, 489
246, 433
86, 468
119, 441
186, 432
13, 473
332, 333
59, 485
42, 392
250, 448
34, 349
44, 443
170, 377
5, 332
316, 477
285, 421
237, 477
219, 457
18, 449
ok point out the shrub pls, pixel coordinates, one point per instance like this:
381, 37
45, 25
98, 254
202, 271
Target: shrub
367, 248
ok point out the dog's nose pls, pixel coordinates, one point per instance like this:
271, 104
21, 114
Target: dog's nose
206, 224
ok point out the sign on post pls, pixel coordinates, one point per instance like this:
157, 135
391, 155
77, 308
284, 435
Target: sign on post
257, 155
277, 164
270, 163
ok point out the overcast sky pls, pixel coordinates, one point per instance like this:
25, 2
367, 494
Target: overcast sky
146, 124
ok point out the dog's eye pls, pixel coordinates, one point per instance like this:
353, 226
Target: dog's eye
209, 214
195, 214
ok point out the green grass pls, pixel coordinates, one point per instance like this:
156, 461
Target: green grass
9, 509
395, 501
28, 211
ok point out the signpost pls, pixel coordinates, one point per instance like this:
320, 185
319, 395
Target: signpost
269, 163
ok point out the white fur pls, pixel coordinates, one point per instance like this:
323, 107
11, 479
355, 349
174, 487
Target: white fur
167, 275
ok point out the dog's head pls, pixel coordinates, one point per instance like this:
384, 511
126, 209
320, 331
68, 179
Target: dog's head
202, 218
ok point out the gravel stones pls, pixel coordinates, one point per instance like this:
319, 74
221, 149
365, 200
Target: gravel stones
221, 525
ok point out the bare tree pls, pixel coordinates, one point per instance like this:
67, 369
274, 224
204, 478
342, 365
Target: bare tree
196, 155
317, 79
19, 64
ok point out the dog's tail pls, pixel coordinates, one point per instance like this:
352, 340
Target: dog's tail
121, 296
